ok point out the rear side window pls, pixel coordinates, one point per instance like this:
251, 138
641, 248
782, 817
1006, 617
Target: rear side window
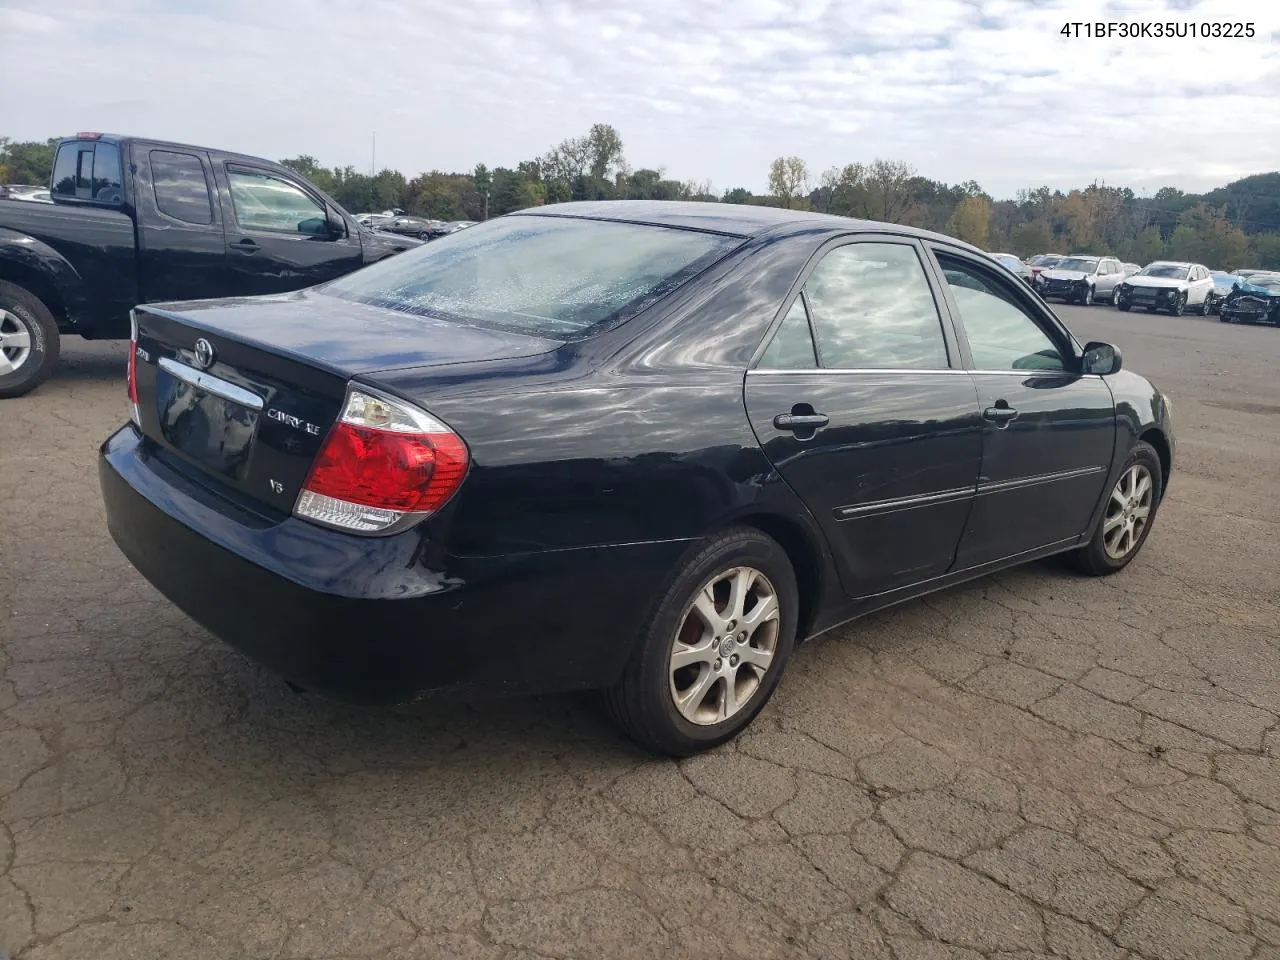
88, 171
549, 276
181, 189
792, 346
872, 308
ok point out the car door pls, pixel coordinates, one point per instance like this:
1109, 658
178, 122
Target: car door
277, 238
860, 404
1108, 277
1048, 430
181, 247
1201, 286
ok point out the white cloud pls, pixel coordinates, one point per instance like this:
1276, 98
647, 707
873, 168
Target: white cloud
961, 89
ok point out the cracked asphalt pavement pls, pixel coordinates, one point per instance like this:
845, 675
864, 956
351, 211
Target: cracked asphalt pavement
1033, 765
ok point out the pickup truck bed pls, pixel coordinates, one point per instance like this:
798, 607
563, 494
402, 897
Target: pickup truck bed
145, 221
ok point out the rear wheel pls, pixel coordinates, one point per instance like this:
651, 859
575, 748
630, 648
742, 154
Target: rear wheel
1206, 308
1115, 295
715, 648
29, 341
1130, 511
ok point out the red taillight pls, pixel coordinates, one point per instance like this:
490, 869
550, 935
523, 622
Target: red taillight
134, 410
383, 460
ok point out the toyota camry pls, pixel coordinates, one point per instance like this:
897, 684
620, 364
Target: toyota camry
639, 447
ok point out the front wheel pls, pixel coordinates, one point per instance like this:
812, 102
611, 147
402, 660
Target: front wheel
29, 341
715, 648
1085, 296
1178, 305
1126, 307
1130, 511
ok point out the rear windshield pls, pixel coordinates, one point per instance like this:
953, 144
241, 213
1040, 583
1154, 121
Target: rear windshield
547, 276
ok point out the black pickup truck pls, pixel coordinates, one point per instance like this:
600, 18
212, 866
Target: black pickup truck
145, 221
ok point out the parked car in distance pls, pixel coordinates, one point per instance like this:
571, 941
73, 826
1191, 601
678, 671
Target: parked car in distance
418, 227
453, 226
1248, 272
141, 221
794, 419
1129, 269
34, 196
1043, 261
1168, 285
374, 221
1013, 265
1081, 279
21, 191
1255, 299
1223, 283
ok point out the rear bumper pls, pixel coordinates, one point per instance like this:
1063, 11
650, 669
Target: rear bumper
367, 620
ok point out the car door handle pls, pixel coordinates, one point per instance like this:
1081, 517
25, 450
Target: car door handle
1000, 415
800, 421
247, 245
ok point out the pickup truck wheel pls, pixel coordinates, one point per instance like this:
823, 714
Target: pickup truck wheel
29, 341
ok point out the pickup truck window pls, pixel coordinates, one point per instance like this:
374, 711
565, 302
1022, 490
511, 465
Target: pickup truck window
264, 202
89, 171
182, 192
106, 174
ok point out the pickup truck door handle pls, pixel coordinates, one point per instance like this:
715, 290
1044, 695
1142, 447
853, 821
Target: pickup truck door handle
247, 245
1000, 415
800, 421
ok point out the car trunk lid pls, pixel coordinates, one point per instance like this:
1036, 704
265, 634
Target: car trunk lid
243, 393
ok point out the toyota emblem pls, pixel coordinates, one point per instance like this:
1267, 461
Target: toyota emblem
204, 353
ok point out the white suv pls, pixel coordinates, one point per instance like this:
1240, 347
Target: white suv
1168, 285
1081, 279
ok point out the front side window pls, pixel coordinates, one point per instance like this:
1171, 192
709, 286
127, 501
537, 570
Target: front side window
1002, 335
872, 308
182, 192
266, 202
548, 276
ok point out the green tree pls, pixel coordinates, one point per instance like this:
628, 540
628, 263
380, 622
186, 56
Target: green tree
737, 195
1205, 236
29, 161
1031, 238
1264, 251
788, 179
971, 221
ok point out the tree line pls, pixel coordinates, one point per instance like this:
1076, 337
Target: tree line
1236, 225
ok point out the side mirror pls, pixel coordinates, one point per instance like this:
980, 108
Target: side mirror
1100, 358
336, 225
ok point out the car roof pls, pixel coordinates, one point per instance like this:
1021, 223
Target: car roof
731, 218
118, 139
1171, 263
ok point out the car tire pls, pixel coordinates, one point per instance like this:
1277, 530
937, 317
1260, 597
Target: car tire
1085, 296
29, 338
1115, 295
423, 235
644, 702
1178, 306
1103, 556
1126, 307
1206, 308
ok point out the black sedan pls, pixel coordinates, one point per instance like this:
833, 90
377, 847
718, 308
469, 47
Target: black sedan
1255, 299
640, 447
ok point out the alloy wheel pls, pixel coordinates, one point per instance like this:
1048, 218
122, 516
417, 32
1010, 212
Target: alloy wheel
1128, 512
15, 342
724, 646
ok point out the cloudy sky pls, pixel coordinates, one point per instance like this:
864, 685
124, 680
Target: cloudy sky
707, 89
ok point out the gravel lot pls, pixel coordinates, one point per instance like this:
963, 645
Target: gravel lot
1033, 765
